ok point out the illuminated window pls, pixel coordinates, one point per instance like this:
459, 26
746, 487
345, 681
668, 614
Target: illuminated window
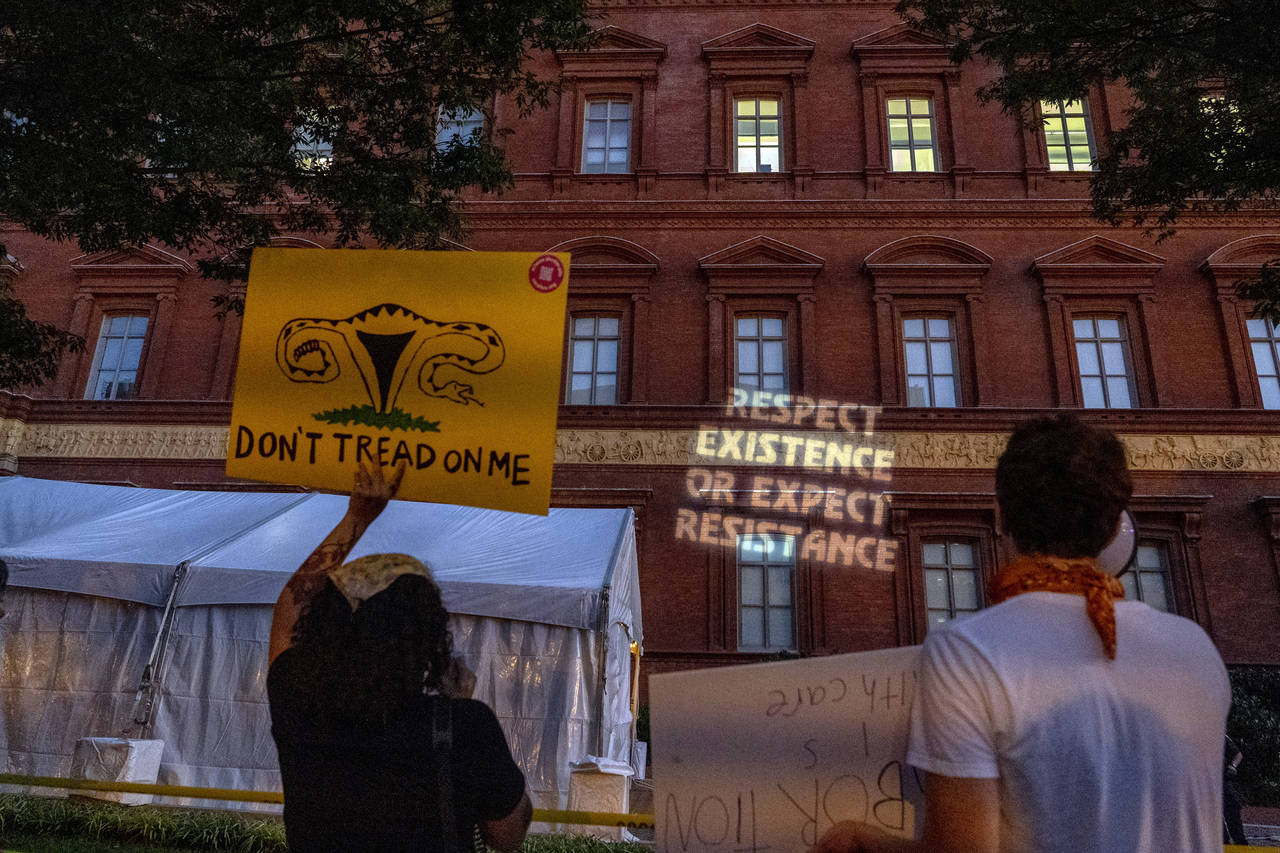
951, 587
761, 346
459, 125
593, 360
1068, 135
766, 572
759, 135
929, 349
1148, 579
1226, 132
117, 358
1264, 340
913, 145
1106, 371
606, 137
312, 146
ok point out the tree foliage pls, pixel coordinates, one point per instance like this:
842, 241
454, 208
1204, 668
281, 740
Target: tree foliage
1254, 724
29, 350
1204, 129
207, 126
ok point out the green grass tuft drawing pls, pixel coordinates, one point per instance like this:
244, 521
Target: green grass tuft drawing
369, 416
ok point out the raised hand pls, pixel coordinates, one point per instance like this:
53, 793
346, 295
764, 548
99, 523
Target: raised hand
369, 498
372, 491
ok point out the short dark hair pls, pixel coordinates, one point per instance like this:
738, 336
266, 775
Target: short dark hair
1061, 485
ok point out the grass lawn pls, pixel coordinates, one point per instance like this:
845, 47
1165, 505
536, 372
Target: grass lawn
59, 825
32, 844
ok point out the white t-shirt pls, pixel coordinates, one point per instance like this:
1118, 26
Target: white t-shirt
1091, 754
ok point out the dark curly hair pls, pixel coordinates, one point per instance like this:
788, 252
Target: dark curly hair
388, 651
1061, 485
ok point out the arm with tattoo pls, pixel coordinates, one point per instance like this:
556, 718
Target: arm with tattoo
368, 498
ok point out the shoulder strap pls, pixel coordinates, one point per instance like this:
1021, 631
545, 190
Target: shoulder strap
442, 749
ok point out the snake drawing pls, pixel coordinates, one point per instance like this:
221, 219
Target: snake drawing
386, 343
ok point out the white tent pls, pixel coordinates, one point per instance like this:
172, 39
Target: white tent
105, 579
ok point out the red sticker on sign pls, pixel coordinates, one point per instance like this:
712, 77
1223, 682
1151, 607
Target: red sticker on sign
546, 273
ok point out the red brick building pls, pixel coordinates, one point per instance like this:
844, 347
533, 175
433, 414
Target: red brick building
804, 197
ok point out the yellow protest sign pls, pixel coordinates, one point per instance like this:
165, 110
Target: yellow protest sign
446, 361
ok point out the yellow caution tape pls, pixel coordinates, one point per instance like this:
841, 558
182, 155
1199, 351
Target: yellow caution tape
629, 821
143, 788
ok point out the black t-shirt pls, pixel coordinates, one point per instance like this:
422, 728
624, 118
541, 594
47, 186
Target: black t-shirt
353, 786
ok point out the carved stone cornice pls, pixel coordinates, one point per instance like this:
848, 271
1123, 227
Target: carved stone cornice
1239, 259
901, 49
140, 262
112, 441
927, 264
12, 431
1098, 265
758, 49
787, 215
1217, 453
616, 53
761, 263
603, 264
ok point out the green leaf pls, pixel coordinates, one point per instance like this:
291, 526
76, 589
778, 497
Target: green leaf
179, 124
367, 415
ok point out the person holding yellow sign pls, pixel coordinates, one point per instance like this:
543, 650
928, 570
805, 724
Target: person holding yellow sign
380, 747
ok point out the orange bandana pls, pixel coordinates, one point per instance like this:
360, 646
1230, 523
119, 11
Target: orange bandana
1080, 576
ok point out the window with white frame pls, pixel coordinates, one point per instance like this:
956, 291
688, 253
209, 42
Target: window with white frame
593, 360
951, 579
606, 136
1148, 579
760, 343
1068, 135
1106, 369
929, 350
766, 578
758, 135
117, 357
1264, 340
459, 125
913, 138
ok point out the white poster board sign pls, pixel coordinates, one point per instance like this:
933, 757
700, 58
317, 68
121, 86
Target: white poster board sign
768, 757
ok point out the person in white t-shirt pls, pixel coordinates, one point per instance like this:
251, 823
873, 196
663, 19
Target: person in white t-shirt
1062, 717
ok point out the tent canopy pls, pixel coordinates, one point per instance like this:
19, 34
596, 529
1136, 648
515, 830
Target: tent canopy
124, 543
544, 610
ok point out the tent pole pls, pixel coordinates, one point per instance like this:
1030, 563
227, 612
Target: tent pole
145, 701
147, 698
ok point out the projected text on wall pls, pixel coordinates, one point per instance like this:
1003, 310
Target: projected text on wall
825, 492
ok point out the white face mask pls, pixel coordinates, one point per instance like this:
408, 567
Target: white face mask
1116, 558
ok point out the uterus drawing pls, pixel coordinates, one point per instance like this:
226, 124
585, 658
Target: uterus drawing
387, 344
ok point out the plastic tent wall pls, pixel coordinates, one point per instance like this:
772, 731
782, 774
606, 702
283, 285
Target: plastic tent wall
544, 610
